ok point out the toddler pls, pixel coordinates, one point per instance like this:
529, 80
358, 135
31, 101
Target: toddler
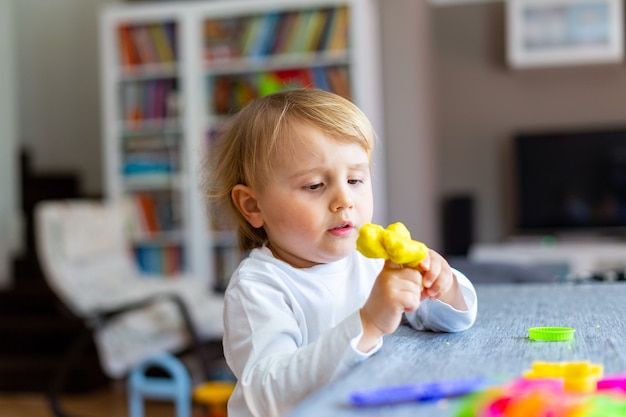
294, 169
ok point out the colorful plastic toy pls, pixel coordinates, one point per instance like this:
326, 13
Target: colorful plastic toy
393, 243
551, 334
578, 376
214, 396
551, 389
614, 382
425, 391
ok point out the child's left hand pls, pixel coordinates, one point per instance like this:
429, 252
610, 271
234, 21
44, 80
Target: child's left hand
439, 281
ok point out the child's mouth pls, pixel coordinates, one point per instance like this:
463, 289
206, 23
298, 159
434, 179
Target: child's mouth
342, 229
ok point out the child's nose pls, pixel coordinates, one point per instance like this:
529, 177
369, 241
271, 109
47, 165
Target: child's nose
343, 199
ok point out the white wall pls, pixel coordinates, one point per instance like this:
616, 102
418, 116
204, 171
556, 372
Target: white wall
483, 103
59, 114
409, 123
9, 206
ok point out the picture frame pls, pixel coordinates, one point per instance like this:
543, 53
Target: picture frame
563, 32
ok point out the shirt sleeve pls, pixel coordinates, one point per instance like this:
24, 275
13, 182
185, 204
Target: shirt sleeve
438, 316
353, 356
264, 347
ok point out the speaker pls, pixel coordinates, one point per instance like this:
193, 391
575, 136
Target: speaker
457, 225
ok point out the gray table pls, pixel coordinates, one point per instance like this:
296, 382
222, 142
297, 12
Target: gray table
497, 345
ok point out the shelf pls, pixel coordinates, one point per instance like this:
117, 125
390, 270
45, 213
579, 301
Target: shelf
152, 182
163, 65
284, 61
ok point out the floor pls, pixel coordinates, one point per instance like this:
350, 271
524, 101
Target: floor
107, 401
110, 400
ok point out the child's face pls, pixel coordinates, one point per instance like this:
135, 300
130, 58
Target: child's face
316, 199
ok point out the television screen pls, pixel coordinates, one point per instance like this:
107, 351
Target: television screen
570, 181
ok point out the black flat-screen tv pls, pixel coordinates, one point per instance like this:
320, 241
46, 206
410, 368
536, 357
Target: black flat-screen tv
570, 181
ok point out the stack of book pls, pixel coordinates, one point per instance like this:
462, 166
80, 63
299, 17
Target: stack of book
287, 32
153, 43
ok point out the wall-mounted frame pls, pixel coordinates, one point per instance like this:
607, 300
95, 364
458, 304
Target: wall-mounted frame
563, 32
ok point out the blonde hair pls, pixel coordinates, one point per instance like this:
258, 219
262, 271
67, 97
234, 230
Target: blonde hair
246, 149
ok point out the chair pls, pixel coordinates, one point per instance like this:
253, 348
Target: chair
176, 386
86, 261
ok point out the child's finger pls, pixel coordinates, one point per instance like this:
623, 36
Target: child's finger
435, 268
425, 264
440, 286
412, 301
410, 274
391, 265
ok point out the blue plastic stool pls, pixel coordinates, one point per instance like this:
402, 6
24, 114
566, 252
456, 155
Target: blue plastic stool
176, 387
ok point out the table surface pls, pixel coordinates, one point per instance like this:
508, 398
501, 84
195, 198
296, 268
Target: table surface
496, 346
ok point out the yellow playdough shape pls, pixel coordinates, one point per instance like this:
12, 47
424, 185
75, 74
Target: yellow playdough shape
392, 243
398, 228
369, 242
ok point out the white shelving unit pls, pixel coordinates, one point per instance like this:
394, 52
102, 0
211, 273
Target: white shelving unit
198, 64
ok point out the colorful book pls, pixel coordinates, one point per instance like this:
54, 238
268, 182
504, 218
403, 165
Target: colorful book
127, 51
329, 17
338, 81
131, 103
143, 43
283, 32
298, 38
223, 38
316, 29
266, 33
251, 33
161, 43
148, 212
337, 39
172, 38
319, 78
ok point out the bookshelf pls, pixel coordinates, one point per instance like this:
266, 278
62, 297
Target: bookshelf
173, 73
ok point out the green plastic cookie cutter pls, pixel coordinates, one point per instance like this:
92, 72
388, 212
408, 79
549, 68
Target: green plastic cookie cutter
552, 334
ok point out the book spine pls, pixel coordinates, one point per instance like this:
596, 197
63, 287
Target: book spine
320, 80
128, 55
339, 82
283, 31
336, 38
143, 43
148, 212
253, 28
161, 45
316, 27
170, 30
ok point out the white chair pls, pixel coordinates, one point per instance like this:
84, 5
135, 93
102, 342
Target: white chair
86, 260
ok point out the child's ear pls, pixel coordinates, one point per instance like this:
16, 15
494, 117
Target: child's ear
246, 203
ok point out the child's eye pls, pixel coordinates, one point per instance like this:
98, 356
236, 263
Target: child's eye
355, 181
314, 187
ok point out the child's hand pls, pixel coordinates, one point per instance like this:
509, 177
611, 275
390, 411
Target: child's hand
396, 290
439, 281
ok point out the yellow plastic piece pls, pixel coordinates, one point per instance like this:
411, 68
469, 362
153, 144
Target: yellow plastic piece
546, 370
577, 376
214, 395
582, 385
393, 243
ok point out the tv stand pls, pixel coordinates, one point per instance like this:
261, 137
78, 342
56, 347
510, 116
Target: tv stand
566, 258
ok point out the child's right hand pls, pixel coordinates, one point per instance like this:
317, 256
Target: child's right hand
397, 290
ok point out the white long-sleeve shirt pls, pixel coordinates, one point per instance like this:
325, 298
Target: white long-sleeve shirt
290, 331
